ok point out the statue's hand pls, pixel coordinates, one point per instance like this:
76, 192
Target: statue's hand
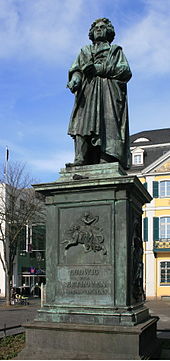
74, 84
99, 69
89, 69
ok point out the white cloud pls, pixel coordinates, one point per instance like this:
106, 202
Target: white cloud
47, 162
51, 30
54, 162
41, 28
147, 41
20, 134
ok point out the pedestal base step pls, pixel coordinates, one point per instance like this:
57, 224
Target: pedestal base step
54, 341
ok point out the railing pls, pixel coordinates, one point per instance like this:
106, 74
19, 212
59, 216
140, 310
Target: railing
162, 243
5, 329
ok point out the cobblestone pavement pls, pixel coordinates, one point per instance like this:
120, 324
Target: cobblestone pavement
161, 309
20, 314
17, 315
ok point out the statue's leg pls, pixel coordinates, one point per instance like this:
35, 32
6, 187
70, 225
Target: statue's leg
106, 158
81, 148
85, 152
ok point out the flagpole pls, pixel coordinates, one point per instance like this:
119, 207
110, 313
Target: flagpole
6, 164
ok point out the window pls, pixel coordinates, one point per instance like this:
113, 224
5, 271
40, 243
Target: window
164, 188
164, 229
137, 156
38, 237
137, 159
39, 255
165, 272
22, 239
161, 189
141, 140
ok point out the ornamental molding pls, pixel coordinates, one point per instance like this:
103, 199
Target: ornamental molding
160, 162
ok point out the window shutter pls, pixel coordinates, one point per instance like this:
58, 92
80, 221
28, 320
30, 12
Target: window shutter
145, 185
155, 189
145, 229
156, 228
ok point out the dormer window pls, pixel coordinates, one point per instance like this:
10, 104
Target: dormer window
137, 156
139, 140
137, 159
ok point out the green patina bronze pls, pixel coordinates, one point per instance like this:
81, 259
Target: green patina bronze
99, 121
94, 306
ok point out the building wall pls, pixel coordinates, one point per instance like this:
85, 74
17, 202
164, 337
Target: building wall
32, 245
2, 275
158, 207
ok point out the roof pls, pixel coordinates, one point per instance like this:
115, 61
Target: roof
155, 143
157, 136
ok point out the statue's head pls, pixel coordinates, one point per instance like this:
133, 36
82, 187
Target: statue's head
105, 26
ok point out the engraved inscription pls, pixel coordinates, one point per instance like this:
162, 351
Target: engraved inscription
87, 233
86, 287
86, 281
84, 272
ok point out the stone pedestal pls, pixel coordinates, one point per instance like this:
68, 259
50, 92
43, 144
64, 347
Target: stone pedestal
95, 300
52, 341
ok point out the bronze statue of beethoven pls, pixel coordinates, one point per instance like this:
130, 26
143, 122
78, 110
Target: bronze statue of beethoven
99, 121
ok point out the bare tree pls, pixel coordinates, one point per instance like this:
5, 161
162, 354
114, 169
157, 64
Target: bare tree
19, 206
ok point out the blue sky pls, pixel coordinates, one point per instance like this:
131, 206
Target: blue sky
39, 40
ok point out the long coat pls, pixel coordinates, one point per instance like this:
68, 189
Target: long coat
100, 108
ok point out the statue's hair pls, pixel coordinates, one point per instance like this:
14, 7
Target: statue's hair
110, 33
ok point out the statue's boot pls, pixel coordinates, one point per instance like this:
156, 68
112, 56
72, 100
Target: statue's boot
81, 148
106, 158
75, 164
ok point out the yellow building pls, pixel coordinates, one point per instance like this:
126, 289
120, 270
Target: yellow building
151, 163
